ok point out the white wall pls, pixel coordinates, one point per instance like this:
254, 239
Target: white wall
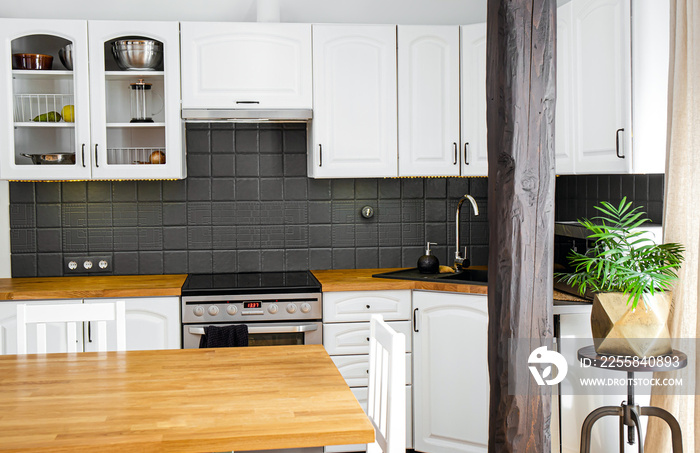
437, 12
4, 230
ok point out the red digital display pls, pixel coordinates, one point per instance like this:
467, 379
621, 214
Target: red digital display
257, 304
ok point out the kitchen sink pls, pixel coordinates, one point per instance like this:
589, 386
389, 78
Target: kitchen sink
466, 276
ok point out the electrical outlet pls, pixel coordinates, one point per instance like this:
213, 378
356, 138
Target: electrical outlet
87, 265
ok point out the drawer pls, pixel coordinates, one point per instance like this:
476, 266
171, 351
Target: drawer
355, 369
361, 395
353, 337
352, 306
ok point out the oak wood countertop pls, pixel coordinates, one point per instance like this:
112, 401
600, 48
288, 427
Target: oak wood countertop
91, 287
185, 400
362, 280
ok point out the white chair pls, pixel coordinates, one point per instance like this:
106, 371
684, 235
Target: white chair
386, 402
71, 315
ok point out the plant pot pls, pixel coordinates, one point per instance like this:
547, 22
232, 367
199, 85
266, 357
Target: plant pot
618, 330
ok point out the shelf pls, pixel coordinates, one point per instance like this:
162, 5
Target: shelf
131, 74
146, 125
43, 124
41, 74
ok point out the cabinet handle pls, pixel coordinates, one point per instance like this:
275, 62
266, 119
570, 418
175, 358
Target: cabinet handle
82, 154
617, 143
466, 153
96, 164
415, 320
320, 155
456, 153
247, 102
89, 332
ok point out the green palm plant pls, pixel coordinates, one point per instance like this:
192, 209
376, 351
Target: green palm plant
622, 260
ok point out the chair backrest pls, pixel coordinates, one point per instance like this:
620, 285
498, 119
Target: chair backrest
73, 315
386, 403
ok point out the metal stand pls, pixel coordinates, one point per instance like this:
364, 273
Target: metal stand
629, 414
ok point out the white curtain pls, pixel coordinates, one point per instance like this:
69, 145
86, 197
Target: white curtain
682, 217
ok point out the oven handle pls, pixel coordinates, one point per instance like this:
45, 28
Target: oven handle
266, 329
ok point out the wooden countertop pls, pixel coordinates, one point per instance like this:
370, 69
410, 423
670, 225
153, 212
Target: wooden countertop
187, 400
91, 287
362, 280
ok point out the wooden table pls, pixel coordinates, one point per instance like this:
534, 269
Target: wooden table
178, 400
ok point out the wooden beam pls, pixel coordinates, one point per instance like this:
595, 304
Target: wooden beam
520, 117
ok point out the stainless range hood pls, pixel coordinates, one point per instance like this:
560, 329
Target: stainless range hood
247, 115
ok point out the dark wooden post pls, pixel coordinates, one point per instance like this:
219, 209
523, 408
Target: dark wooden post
520, 117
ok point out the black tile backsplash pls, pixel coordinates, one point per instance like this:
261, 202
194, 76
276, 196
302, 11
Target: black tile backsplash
246, 205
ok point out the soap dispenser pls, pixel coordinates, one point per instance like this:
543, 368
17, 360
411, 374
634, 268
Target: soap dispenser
428, 263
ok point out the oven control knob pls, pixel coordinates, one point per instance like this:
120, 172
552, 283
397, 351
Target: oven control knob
305, 307
231, 310
198, 310
291, 308
273, 308
213, 310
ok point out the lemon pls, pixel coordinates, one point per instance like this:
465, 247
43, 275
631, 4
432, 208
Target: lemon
68, 113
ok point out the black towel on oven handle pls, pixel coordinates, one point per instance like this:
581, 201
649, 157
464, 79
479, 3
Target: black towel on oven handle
224, 336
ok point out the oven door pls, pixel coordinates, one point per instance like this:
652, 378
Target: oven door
263, 334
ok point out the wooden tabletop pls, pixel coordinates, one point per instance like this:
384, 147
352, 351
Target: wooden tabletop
177, 400
91, 287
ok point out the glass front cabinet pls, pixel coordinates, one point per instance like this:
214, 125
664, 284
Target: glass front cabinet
86, 115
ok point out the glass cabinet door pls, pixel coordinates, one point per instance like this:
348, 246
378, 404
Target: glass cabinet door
135, 100
44, 124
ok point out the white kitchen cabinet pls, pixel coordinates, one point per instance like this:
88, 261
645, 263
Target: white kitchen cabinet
151, 323
450, 372
428, 100
246, 65
474, 151
346, 316
564, 114
105, 144
354, 130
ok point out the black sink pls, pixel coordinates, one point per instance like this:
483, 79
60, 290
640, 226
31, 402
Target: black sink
467, 276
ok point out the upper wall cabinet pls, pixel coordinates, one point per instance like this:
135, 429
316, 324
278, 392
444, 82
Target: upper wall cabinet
75, 119
246, 65
428, 102
354, 128
473, 146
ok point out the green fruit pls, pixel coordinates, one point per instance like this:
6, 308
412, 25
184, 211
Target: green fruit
51, 117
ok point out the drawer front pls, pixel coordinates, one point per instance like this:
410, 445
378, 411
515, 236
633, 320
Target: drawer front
353, 338
361, 395
355, 369
353, 306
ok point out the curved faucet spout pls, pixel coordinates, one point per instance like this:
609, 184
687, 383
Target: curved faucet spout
459, 258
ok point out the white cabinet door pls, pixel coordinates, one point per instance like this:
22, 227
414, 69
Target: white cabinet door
355, 369
428, 81
246, 65
602, 85
151, 323
29, 94
450, 372
564, 115
353, 306
353, 337
354, 84
56, 335
474, 151
119, 146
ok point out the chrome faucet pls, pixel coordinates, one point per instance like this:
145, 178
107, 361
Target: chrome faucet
459, 259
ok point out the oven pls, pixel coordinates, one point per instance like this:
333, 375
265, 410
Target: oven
279, 308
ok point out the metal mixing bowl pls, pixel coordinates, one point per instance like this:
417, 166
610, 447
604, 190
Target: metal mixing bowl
138, 54
65, 54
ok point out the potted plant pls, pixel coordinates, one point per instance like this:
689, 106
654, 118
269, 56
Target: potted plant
622, 269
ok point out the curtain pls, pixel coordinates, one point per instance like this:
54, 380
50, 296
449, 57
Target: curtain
682, 218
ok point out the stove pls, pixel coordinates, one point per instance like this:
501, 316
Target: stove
277, 307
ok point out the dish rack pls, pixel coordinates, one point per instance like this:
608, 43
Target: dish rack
31, 106
130, 156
